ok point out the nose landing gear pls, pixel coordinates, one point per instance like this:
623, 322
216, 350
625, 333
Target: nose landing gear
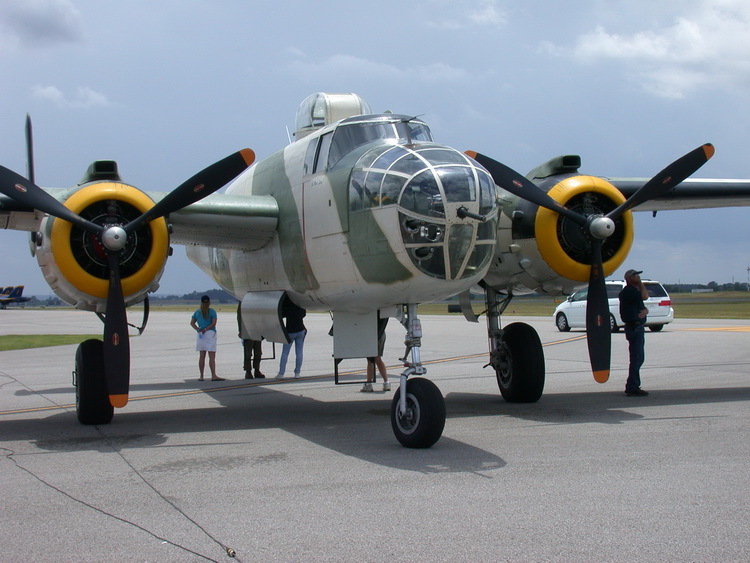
418, 407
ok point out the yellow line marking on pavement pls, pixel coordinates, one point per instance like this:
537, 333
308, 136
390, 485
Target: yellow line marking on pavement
719, 329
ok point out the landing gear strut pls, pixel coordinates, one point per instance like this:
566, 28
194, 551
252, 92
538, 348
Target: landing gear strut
417, 409
516, 354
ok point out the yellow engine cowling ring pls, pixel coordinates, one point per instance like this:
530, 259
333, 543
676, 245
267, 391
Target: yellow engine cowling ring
134, 286
547, 228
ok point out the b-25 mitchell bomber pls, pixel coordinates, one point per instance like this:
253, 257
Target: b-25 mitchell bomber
363, 215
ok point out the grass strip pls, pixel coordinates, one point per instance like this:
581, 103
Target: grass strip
23, 341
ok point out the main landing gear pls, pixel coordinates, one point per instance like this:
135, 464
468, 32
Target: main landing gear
92, 398
418, 407
516, 353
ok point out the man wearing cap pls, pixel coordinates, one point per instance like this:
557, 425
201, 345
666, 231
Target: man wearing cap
633, 313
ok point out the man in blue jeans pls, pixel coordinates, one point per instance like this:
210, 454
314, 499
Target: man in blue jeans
633, 313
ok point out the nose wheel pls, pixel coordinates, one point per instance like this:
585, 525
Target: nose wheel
418, 407
420, 424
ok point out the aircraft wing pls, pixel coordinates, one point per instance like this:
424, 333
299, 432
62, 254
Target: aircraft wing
18, 217
238, 222
692, 193
223, 221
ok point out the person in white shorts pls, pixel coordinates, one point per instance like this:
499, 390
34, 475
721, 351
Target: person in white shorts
203, 322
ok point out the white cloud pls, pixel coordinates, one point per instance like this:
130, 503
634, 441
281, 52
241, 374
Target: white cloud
483, 13
350, 66
487, 13
84, 97
706, 48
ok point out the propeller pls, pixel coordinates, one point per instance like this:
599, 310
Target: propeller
113, 236
596, 229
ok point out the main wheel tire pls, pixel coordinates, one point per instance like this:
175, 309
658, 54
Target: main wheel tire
613, 327
521, 377
92, 398
562, 323
423, 422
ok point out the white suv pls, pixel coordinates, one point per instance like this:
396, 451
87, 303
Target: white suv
571, 313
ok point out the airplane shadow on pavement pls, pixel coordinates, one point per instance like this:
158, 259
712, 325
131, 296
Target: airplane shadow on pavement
595, 407
357, 428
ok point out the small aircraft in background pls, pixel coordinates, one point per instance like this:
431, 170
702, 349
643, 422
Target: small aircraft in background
12, 294
363, 215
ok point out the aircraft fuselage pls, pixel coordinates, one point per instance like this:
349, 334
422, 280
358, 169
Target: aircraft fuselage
372, 213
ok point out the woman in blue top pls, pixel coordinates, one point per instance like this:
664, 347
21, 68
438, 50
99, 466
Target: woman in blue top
203, 321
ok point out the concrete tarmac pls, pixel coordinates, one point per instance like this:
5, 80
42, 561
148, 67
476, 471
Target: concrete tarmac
305, 470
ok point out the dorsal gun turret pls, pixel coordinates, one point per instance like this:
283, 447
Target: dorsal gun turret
321, 109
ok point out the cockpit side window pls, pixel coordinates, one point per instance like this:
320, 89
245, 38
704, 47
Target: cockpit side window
323, 151
312, 150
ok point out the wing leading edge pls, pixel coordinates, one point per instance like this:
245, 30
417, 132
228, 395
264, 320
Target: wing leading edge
227, 221
692, 193
238, 222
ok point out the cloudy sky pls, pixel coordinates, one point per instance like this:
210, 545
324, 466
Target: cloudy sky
167, 87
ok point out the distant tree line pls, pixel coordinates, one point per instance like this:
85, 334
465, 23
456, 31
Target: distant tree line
712, 285
218, 296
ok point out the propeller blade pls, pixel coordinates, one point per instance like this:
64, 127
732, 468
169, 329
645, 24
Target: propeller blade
203, 184
29, 150
598, 332
519, 185
116, 340
28, 193
666, 179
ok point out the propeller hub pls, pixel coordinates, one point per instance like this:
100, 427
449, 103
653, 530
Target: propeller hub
602, 227
114, 238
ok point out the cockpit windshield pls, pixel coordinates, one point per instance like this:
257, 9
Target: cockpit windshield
354, 133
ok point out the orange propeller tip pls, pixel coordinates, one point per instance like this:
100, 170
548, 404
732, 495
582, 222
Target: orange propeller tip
709, 149
472, 154
118, 401
248, 156
601, 376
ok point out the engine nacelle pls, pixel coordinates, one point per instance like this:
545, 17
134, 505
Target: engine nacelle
74, 262
540, 249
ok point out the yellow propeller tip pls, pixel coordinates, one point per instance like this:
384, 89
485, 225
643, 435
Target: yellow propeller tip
118, 401
248, 156
601, 376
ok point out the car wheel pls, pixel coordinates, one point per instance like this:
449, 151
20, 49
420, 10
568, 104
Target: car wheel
562, 323
656, 328
613, 324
